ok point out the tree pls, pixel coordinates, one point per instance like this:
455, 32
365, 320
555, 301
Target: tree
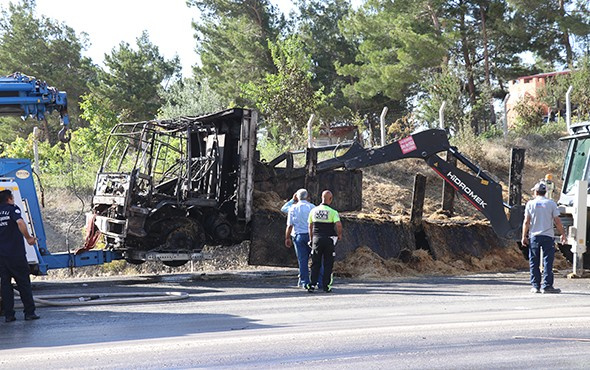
48, 50
189, 97
553, 26
232, 42
445, 86
317, 26
554, 91
131, 83
287, 98
397, 44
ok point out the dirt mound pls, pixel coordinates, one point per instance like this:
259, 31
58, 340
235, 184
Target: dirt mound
364, 263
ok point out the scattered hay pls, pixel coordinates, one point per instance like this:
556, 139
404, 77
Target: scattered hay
268, 201
364, 263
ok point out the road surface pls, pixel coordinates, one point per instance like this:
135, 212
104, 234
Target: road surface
258, 319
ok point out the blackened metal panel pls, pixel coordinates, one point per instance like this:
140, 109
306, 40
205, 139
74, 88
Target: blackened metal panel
345, 185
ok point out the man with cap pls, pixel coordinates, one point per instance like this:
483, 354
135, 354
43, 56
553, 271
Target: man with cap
297, 233
537, 232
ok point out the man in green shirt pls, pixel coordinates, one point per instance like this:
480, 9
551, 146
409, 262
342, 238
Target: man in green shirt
325, 229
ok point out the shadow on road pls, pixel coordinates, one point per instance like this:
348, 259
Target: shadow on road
58, 327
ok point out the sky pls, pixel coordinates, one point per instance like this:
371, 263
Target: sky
108, 22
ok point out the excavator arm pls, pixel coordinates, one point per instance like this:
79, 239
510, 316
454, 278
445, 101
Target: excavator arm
479, 188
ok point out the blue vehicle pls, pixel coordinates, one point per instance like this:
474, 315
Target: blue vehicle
28, 97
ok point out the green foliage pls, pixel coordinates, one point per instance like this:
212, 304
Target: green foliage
470, 143
232, 42
189, 97
286, 99
48, 50
553, 94
553, 129
553, 27
445, 86
529, 114
130, 86
492, 133
270, 149
397, 44
317, 25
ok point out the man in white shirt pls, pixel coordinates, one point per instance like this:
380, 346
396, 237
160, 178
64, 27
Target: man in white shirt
297, 233
540, 215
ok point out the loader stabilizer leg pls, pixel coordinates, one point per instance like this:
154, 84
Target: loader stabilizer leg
484, 195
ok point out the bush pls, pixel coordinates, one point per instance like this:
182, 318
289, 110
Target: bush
529, 114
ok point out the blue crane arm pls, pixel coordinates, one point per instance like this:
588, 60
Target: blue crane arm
28, 97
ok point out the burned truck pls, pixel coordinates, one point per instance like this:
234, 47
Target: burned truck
168, 187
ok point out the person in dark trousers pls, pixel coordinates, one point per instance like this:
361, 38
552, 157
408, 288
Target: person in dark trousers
13, 259
325, 229
537, 232
297, 233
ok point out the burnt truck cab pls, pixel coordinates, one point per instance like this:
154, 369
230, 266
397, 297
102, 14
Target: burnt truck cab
168, 187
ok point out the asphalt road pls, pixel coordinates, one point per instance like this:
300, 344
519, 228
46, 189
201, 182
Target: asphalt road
260, 320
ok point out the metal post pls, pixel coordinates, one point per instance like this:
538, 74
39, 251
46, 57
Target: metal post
311, 181
448, 192
568, 109
441, 115
515, 177
311, 162
418, 199
309, 131
382, 120
505, 123
36, 149
577, 232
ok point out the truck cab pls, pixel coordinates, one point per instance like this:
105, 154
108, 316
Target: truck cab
576, 168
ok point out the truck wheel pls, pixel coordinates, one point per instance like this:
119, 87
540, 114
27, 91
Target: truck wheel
183, 235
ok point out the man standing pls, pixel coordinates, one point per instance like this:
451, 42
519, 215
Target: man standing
540, 215
13, 259
325, 229
297, 229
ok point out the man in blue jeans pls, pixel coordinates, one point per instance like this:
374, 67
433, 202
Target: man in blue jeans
540, 215
297, 233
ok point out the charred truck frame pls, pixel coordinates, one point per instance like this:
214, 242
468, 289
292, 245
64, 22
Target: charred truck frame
166, 188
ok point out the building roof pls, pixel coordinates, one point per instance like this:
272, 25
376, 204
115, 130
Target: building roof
543, 75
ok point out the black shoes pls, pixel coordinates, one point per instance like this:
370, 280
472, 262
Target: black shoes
311, 288
550, 290
32, 317
10, 319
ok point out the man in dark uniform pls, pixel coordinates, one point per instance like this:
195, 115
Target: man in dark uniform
325, 229
13, 259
